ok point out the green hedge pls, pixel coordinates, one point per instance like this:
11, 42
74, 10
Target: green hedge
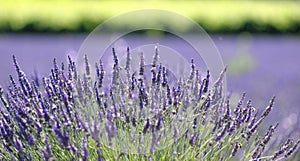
213, 16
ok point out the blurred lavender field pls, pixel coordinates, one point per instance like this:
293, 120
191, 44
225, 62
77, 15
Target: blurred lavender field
260, 65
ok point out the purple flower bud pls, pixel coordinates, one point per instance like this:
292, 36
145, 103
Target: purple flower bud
232, 128
253, 128
146, 126
257, 152
75, 71
128, 59
155, 59
227, 112
268, 109
84, 152
195, 123
87, 65
268, 135
201, 89
283, 149
192, 73
250, 110
159, 122
253, 120
133, 82
205, 88
193, 139
206, 103
158, 77
142, 65
100, 74
221, 134
133, 122
236, 146
292, 149
165, 77
30, 140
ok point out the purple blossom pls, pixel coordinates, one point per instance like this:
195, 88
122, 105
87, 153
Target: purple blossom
84, 152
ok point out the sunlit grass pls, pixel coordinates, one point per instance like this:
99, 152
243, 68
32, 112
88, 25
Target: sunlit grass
214, 16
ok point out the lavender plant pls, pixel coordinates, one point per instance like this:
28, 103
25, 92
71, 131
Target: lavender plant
74, 117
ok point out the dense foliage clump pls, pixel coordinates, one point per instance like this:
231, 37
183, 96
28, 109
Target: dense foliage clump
71, 116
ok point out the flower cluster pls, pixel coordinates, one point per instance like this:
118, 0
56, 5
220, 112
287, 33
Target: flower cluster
71, 116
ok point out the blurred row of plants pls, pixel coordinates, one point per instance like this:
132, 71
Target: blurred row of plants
213, 16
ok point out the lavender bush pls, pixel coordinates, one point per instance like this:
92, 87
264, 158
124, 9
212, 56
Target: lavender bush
69, 116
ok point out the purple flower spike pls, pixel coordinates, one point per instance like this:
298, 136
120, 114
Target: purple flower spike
84, 152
